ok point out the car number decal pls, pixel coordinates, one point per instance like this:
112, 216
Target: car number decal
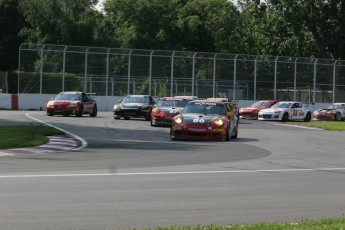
196, 120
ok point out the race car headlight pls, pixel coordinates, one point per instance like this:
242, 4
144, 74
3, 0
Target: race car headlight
178, 120
117, 107
156, 111
50, 105
219, 122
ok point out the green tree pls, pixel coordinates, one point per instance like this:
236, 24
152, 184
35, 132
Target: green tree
145, 24
11, 22
208, 25
71, 22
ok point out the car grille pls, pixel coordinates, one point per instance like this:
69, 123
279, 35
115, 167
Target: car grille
193, 134
266, 116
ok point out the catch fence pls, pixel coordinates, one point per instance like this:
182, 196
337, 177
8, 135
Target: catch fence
50, 69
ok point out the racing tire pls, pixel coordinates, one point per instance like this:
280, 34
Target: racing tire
307, 117
50, 113
117, 117
79, 112
148, 117
337, 117
285, 117
94, 112
152, 124
171, 136
236, 133
227, 134
126, 118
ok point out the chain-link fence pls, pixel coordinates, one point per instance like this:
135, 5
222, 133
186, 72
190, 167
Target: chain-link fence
49, 69
3, 82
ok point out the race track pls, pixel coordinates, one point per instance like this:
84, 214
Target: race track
131, 175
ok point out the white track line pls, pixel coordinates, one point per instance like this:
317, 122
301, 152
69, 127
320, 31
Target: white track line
168, 173
83, 142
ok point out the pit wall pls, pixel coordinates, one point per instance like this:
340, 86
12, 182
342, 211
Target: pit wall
104, 103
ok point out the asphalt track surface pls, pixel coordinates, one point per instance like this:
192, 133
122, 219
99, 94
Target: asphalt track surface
131, 175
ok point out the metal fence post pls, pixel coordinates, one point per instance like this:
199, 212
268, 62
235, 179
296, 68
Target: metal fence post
214, 76
85, 69
334, 69
193, 73
295, 81
129, 72
150, 72
255, 76
275, 78
64, 68
314, 83
172, 74
41, 69
235, 70
107, 74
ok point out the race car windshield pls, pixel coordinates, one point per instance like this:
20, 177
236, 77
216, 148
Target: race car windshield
172, 103
136, 100
282, 105
334, 107
68, 96
261, 104
204, 108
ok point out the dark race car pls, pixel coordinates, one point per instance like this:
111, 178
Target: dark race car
167, 108
134, 106
205, 119
251, 112
72, 102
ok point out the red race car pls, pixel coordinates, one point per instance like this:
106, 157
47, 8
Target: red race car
252, 111
205, 119
167, 108
72, 102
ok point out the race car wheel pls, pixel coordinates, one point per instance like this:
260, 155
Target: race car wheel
337, 117
50, 113
126, 118
117, 117
307, 117
94, 112
227, 134
148, 117
236, 133
79, 112
171, 136
285, 117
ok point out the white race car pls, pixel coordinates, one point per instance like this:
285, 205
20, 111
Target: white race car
286, 111
335, 112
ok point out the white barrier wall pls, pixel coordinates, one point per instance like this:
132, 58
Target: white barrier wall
104, 103
5, 101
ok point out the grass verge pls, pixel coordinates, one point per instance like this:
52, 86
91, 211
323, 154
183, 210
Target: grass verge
327, 125
323, 224
25, 136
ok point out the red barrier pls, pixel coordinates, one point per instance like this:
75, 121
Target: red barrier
14, 102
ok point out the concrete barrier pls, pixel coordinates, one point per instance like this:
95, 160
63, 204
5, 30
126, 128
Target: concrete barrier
104, 103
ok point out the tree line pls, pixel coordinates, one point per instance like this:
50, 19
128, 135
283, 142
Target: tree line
298, 28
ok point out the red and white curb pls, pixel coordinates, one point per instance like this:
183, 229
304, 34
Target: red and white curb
55, 144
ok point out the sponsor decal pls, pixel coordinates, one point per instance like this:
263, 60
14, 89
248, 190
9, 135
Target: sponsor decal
197, 120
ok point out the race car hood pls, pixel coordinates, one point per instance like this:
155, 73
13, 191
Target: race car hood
63, 102
169, 109
252, 108
273, 110
324, 110
207, 119
133, 105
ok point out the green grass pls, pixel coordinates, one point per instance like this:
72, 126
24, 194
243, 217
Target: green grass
324, 224
25, 136
327, 125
